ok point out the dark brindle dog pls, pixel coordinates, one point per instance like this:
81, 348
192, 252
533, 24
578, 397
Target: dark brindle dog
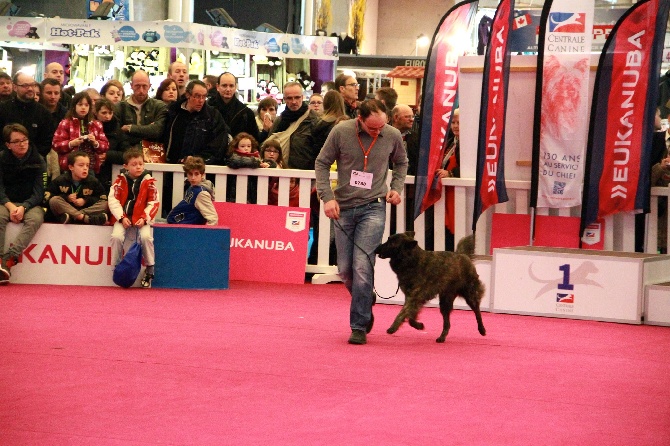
424, 274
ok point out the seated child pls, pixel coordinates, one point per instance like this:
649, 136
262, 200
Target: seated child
133, 201
197, 207
243, 152
75, 196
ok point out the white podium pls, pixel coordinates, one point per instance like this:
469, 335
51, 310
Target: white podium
574, 283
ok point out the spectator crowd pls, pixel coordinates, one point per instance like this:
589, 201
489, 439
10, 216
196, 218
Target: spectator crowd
60, 147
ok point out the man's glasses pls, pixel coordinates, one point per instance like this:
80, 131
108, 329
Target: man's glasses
352, 85
199, 97
374, 129
26, 85
19, 141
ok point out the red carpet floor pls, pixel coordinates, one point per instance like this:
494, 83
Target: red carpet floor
266, 364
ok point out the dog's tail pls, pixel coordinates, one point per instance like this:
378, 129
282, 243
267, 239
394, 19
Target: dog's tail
466, 245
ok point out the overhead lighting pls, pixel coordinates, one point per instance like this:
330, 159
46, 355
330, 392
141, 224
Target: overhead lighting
267, 28
7, 8
105, 11
421, 41
221, 18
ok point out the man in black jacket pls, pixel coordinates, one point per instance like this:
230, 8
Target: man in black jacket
23, 110
238, 116
194, 128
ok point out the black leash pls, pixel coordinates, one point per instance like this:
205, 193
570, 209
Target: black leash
374, 289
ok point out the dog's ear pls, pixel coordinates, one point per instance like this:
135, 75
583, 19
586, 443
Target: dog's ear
410, 245
410, 234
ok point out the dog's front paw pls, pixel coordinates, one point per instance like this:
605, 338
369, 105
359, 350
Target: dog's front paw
392, 330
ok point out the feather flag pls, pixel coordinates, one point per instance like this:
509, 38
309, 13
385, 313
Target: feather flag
560, 127
622, 113
490, 185
440, 90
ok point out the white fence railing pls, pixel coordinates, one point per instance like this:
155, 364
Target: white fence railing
619, 229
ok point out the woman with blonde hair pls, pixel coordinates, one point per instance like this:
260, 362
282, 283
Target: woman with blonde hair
333, 113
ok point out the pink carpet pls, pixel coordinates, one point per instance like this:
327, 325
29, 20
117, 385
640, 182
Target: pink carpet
262, 364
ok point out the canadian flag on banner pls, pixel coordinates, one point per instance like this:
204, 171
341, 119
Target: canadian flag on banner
522, 20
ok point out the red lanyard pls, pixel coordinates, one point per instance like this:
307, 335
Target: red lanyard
365, 152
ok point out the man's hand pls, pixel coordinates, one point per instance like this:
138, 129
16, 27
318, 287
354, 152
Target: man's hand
393, 197
16, 215
125, 128
332, 209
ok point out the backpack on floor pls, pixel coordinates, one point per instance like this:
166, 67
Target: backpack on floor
126, 272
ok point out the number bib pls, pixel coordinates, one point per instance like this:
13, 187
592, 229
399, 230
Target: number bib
361, 180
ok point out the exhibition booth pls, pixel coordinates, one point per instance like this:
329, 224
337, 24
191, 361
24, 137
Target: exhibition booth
96, 51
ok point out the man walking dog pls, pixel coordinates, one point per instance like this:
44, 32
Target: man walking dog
362, 148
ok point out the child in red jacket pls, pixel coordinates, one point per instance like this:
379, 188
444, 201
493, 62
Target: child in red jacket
133, 201
79, 131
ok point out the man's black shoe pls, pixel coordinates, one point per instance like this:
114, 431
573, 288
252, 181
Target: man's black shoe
357, 337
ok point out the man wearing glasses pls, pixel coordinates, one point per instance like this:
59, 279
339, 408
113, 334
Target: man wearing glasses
363, 148
23, 109
293, 129
195, 128
22, 172
348, 88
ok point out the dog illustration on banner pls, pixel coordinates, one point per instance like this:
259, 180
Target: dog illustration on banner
562, 96
424, 274
580, 276
567, 22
